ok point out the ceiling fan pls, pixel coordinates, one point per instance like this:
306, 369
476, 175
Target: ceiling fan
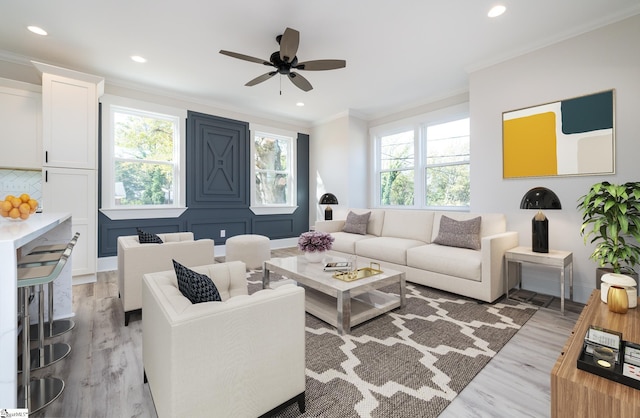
285, 60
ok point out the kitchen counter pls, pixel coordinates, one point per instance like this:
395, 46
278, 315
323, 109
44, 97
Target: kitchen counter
18, 237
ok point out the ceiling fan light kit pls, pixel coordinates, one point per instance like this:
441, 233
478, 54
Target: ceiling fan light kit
285, 60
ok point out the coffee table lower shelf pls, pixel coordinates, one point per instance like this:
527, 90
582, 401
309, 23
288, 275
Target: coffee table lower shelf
364, 306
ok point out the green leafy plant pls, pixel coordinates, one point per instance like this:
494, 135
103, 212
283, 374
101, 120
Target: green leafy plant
611, 217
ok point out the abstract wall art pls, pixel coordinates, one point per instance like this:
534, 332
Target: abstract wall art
570, 137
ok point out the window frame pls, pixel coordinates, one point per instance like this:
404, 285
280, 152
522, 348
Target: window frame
111, 104
274, 209
419, 125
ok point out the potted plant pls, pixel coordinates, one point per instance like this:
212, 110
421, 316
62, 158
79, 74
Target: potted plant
611, 218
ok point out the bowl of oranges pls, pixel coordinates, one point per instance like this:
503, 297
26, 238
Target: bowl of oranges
18, 208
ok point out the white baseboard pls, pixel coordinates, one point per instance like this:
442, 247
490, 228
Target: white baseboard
111, 263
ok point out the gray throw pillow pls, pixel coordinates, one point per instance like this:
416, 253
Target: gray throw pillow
356, 224
463, 234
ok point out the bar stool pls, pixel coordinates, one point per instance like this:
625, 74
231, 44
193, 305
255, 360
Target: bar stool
42, 255
39, 393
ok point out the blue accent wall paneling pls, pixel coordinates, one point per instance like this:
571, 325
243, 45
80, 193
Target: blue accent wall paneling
218, 190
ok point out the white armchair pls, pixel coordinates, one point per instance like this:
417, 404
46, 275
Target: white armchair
242, 357
135, 259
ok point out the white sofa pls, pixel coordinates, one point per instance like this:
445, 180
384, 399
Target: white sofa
136, 259
403, 240
242, 357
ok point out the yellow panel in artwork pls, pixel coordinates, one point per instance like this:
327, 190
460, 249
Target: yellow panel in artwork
530, 146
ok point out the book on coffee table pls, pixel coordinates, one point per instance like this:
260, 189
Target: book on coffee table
338, 266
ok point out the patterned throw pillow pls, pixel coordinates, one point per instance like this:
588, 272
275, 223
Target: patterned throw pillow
356, 224
148, 238
463, 234
195, 286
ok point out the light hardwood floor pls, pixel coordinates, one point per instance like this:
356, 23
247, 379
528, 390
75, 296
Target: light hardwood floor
104, 378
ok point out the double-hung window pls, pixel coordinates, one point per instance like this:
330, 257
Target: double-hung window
273, 186
424, 162
141, 174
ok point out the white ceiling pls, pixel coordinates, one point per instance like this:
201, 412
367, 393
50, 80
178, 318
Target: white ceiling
400, 54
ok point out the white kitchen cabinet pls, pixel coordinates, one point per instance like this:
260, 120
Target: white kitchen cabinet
70, 117
74, 190
20, 126
70, 142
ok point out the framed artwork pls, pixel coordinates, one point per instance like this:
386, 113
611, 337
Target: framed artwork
571, 137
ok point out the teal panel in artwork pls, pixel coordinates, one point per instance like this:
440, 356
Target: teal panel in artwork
587, 113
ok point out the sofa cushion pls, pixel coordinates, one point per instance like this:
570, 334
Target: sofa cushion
451, 261
195, 286
356, 224
376, 219
463, 234
409, 224
345, 242
389, 249
148, 238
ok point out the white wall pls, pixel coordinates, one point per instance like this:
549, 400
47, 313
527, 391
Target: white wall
607, 58
338, 164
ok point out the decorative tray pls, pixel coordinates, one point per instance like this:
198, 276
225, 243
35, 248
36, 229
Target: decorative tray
361, 273
616, 373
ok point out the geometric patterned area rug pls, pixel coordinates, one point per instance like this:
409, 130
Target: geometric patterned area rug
410, 362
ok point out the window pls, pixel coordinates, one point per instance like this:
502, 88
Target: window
141, 160
273, 187
447, 164
424, 162
397, 169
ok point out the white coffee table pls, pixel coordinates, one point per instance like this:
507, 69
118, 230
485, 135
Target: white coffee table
339, 303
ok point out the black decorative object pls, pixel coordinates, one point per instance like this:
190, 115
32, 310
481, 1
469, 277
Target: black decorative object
328, 199
540, 198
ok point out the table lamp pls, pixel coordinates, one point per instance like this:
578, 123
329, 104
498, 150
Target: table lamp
540, 198
328, 199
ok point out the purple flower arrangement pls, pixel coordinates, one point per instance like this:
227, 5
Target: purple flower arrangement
315, 241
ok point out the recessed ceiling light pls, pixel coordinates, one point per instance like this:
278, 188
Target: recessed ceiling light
299, 104
496, 11
138, 58
37, 30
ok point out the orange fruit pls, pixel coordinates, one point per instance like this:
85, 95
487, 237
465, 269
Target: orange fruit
24, 216
14, 213
4, 213
25, 197
16, 201
33, 204
9, 197
24, 208
6, 205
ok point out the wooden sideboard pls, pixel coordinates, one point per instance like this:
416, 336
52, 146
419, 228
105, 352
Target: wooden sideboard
577, 393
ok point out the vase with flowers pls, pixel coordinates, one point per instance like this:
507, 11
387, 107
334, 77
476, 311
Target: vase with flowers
315, 244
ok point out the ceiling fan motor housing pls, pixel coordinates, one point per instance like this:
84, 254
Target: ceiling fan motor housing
282, 66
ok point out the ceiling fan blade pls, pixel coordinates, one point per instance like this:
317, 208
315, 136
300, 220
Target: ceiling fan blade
300, 82
245, 57
289, 44
320, 65
261, 78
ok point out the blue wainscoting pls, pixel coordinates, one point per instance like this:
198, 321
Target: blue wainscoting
218, 190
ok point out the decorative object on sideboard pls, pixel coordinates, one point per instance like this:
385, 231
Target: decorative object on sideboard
315, 244
328, 199
540, 198
621, 280
611, 220
18, 208
617, 299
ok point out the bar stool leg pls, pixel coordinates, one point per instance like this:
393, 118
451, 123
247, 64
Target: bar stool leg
35, 394
53, 328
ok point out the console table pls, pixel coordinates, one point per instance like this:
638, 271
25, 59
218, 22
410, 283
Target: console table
577, 393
